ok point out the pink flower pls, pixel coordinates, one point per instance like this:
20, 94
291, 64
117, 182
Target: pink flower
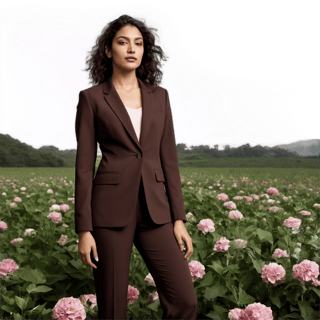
55, 217
197, 270
69, 309
235, 214
49, 191
13, 205
206, 225
230, 205
237, 198
133, 295
54, 207
292, 223
315, 283
305, 213
234, 314
153, 297
249, 199
240, 243
91, 297
306, 270
271, 201
278, 253
23, 188
273, 191
17, 199
150, 280
28, 232
274, 208
221, 245
256, 197
15, 241
7, 266
222, 196
299, 244
256, 311
3, 225
273, 273
63, 240
64, 207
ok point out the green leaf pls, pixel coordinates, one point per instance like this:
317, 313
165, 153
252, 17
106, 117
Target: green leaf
21, 303
217, 266
306, 311
154, 306
217, 290
42, 289
316, 290
276, 301
246, 299
264, 235
35, 276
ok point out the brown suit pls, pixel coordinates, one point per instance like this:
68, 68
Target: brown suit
126, 202
109, 198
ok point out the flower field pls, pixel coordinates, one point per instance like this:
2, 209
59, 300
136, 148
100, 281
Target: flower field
255, 235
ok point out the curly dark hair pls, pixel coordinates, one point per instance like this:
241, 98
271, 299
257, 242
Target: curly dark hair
100, 66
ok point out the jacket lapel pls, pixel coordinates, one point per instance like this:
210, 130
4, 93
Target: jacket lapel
114, 101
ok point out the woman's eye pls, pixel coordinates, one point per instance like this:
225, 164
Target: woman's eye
136, 43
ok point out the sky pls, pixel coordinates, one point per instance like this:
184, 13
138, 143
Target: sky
237, 71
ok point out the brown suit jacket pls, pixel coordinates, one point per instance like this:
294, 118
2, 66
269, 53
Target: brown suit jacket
108, 199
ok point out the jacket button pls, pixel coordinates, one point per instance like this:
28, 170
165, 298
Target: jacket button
139, 155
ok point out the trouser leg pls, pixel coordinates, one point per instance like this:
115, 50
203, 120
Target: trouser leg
160, 251
111, 278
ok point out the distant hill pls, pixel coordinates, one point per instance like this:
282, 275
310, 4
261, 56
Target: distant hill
303, 147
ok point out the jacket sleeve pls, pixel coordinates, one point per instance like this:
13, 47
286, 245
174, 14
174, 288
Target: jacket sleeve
169, 162
85, 163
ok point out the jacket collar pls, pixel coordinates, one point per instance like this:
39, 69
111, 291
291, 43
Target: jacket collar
114, 101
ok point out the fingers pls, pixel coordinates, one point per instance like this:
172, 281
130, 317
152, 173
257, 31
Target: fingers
190, 249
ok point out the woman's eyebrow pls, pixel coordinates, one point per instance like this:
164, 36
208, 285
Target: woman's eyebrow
128, 38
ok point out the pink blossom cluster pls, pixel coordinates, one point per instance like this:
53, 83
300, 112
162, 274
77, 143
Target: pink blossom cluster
254, 311
150, 280
55, 216
152, 297
91, 297
305, 213
206, 225
133, 294
235, 214
221, 245
273, 191
7, 266
273, 273
63, 240
16, 241
240, 243
230, 205
29, 232
3, 225
69, 308
306, 271
278, 253
197, 270
292, 223
249, 199
275, 208
222, 196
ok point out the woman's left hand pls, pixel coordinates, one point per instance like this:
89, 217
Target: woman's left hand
181, 233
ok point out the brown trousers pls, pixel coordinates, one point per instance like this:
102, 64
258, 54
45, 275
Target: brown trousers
161, 253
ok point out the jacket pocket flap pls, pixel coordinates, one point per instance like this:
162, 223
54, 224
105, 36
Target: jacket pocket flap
107, 178
160, 175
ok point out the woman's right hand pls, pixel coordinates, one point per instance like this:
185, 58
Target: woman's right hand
86, 243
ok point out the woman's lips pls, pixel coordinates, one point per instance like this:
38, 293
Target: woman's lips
131, 60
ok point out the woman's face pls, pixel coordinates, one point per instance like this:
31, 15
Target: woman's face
128, 41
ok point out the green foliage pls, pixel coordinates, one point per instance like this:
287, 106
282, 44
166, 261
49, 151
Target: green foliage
49, 271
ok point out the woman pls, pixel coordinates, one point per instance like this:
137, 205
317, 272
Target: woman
135, 196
